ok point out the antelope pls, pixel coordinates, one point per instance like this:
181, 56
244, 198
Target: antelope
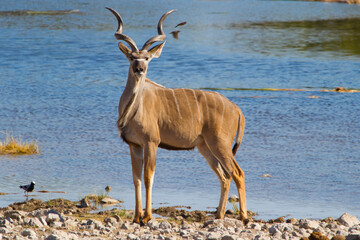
153, 116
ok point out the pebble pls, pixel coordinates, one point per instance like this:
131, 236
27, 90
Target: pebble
49, 225
348, 220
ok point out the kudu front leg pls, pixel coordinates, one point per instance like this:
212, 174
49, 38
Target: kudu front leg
137, 165
149, 170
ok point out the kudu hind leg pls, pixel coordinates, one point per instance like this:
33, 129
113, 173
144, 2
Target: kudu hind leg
224, 178
136, 153
224, 154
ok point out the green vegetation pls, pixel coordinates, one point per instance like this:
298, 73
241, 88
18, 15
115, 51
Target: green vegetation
97, 198
14, 146
235, 207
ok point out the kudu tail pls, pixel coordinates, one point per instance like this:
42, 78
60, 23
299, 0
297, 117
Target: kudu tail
239, 133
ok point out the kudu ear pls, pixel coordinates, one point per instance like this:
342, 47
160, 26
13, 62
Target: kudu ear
155, 52
124, 49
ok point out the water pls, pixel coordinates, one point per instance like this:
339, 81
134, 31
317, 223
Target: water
61, 77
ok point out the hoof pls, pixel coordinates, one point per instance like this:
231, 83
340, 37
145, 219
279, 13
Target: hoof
137, 220
245, 221
145, 220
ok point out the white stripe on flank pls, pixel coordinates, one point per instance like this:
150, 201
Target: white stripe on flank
176, 102
207, 107
165, 102
191, 112
197, 104
160, 110
215, 115
223, 112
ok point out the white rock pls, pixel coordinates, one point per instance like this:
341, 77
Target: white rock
110, 220
73, 236
132, 237
4, 230
98, 225
170, 238
341, 232
285, 236
165, 225
70, 223
255, 226
125, 226
304, 232
109, 201
56, 224
353, 237
5, 223
228, 237
213, 236
33, 222
52, 217
15, 215
309, 224
39, 213
184, 233
153, 224
57, 235
43, 221
281, 227
95, 232
348, 220
28, 233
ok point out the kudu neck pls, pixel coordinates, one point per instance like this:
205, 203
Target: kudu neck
134, 82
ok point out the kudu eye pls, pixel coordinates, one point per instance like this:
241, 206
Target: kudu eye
147, 58
131, 58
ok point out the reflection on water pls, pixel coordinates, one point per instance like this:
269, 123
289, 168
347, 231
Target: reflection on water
61, 77
333, 36
32, 12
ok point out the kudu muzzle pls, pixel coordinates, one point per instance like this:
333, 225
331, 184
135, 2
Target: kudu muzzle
139, 67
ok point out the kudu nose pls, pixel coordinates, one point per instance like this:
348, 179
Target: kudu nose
139, 67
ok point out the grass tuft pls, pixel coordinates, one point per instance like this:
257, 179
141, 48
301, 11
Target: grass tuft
14, 146
235, 207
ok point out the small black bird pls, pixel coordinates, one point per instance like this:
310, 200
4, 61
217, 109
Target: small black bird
181, 24
175, 34
28, 188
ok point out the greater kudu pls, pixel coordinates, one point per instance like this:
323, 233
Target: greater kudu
152, 116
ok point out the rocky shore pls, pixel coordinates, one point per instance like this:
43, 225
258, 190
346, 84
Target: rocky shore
63, 219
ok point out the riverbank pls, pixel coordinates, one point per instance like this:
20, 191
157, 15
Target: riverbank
63, 219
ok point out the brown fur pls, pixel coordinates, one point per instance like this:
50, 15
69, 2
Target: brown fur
152, 116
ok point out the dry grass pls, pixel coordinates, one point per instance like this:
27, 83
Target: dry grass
14, 146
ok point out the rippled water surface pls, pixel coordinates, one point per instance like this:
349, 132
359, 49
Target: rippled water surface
61, 77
